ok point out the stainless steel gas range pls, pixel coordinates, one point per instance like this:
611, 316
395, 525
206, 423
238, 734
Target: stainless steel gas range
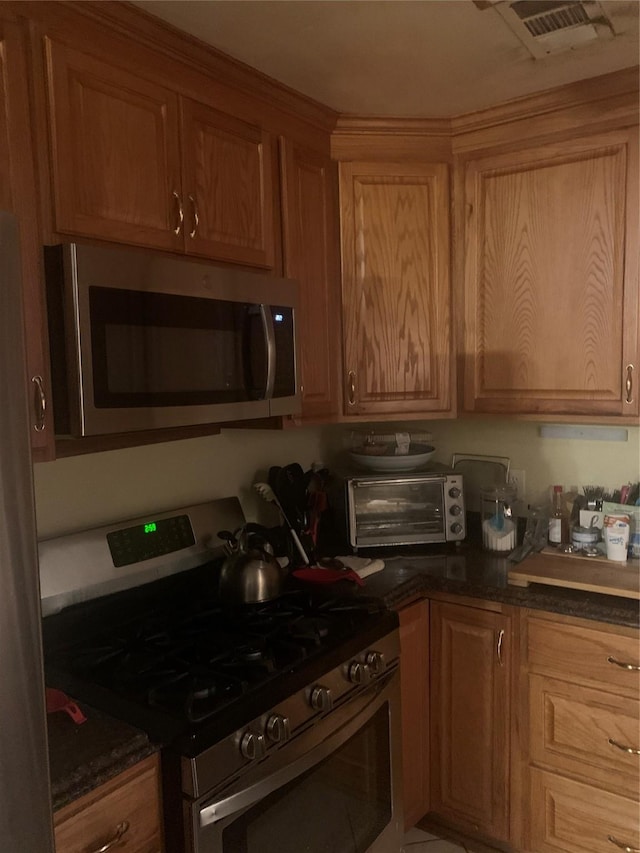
279, 721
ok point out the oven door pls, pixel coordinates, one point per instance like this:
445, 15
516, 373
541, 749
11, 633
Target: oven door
333, 789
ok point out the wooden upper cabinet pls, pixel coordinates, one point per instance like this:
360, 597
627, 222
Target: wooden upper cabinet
311, 255
115, 151
396, 291
470, 718
228, 189
551, 280
18, 194
135, 162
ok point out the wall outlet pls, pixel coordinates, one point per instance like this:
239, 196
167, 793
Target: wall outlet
517, 479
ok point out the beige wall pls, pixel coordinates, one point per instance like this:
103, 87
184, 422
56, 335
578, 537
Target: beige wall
86, 490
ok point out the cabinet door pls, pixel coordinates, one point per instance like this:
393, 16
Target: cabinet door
414, 681
396, 293
551, 279
115, 152
470, 718
18, 194
311, 256
227, 165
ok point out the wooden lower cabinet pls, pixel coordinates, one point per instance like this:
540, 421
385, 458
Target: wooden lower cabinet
571, 817
471, 718
414, 679
583, 682
124, 811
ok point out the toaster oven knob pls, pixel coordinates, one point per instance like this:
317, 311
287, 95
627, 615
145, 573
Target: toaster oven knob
359, 673
320, 698
278, 728
456, 509
454, 492
376, 662
456, 527
253, 745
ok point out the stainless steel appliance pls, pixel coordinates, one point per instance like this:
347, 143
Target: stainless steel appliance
404, 509
25, 804
141, 340
279, 721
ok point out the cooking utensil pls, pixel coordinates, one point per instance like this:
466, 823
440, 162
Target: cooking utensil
56, 700
250, 574
265, 491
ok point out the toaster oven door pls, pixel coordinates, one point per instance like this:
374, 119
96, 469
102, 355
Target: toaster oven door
399, 511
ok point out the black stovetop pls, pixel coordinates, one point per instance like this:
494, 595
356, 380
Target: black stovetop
171, 659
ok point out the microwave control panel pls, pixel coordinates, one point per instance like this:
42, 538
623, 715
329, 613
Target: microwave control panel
454, 508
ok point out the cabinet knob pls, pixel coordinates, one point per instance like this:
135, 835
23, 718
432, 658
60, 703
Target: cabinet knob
627, 848
351, 380
628, 384
196, 218
121, 829
178, 227
40, 403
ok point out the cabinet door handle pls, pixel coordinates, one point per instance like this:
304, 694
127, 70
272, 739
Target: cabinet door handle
621, 844
121, 829
178, 227
631, 666
351, 376
499, 647
630, 749
628, 384
196, 218
40, 403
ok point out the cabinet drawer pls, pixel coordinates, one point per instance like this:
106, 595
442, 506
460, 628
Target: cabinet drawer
585, 732
584, 654
92, 821
569, 817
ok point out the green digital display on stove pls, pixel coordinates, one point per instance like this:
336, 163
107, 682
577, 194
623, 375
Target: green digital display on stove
150, 539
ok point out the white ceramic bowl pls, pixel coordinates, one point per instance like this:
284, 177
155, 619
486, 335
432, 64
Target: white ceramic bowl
419, 455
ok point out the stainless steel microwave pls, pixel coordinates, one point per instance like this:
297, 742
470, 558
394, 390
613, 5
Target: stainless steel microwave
404, 509
141, 341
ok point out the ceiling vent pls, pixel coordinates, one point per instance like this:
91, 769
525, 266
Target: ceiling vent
552, 26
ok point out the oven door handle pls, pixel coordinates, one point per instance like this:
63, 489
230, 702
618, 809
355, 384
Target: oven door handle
241, 800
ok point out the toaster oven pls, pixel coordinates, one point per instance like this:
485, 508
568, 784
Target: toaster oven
404, 509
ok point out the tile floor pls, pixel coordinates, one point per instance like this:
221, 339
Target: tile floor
418, 841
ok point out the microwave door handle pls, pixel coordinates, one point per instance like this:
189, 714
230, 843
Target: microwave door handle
270, 340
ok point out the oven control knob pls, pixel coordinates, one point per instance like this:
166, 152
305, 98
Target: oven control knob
456, 527
376, 662
320, 698
253, 745
278, 728
454, 492
359, 673
456, 509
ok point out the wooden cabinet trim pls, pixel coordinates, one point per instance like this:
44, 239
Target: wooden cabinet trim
414, 678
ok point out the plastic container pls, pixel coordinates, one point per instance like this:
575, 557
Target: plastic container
498, 521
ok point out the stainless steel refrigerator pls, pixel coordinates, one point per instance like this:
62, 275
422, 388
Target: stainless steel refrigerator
25, 803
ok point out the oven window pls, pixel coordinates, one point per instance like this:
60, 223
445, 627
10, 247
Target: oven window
400, 511
340, 806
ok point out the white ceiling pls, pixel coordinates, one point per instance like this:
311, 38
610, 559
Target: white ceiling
430, 58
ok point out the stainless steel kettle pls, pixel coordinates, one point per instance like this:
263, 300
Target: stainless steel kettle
250, 574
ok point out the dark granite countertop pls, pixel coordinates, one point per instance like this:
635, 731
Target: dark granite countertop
82, 757
468, 570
